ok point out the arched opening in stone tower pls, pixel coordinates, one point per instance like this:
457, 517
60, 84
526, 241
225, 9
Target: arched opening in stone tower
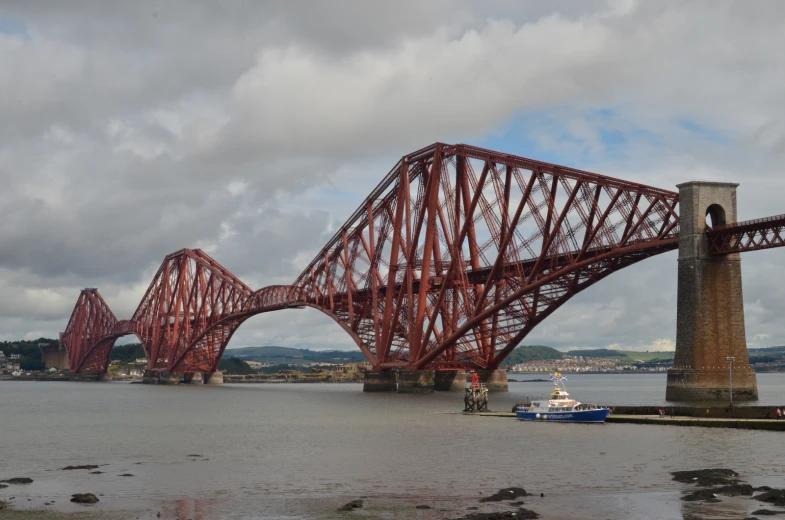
715, 216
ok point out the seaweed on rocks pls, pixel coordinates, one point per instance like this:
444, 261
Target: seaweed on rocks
703, 495
734, 490
766, 512
351, 506
706, 477
3, 486
511, 493
775, 497
18, 480
518, 514
423, 507
84, 498
3, 505
83, 466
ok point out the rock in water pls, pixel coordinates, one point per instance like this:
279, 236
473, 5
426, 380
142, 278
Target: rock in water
422, 507
84, 498
351, 506
734, 490
511, 493
83, 466
706, 477
518, 514
19, 481
3, 486
703, 495
775, 497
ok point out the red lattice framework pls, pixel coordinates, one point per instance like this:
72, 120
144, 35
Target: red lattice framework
750, 235
449, 263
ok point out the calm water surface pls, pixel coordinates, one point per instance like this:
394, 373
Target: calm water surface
300, 451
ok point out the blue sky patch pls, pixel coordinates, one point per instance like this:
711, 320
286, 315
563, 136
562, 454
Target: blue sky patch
709, 134
13, 26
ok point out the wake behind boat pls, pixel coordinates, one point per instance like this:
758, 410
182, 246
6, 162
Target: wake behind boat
560, 407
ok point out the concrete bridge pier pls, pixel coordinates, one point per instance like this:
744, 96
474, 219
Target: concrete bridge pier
415, 381
155, 377
55, 356
450, 381
710, 307
192, 378
213, 378
380, 381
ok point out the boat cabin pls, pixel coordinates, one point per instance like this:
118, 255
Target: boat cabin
560, 398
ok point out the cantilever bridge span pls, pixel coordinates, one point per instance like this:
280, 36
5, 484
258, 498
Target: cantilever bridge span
448, 264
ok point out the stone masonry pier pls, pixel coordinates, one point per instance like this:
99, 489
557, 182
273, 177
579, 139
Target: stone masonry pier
426, 381
710, 315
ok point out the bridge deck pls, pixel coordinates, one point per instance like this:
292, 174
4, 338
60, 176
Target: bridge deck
749, 235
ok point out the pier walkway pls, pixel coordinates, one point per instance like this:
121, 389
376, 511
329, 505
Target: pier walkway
703, 422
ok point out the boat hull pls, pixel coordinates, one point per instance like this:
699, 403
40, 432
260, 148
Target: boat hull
587, 416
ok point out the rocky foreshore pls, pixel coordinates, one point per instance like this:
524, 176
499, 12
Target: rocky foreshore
508, 498
713, 487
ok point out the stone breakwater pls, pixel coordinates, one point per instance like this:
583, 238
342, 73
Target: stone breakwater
714, 411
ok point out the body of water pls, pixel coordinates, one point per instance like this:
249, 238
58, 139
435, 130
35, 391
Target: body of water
300, 451
635, 389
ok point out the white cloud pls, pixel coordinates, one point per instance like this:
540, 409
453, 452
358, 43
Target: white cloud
128, 132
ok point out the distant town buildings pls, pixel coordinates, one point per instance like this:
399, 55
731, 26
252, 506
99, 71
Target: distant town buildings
585, 364
6, 365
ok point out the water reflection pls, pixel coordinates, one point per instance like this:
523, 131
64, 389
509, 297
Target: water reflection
188, 509
302, 451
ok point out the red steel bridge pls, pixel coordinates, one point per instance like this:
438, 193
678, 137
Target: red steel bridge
448, 264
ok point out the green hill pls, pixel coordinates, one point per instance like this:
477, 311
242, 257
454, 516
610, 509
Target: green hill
648, 356
234, 366
767, 351
527, 353
597, 352
295, 356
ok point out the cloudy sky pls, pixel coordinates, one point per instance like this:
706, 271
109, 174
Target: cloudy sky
252, 129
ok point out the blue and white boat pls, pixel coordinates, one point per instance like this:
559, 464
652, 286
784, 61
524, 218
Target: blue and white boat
560, 407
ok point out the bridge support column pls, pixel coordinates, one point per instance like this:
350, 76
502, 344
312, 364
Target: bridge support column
55, 356
494, 380
213, 378
450, 381
380, 381
160, 378
710, 306
415, 381
192, 378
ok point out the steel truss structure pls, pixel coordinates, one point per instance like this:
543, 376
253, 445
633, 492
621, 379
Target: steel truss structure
449, 263
750, 235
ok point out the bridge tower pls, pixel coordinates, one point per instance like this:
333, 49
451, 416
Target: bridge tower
710, 307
